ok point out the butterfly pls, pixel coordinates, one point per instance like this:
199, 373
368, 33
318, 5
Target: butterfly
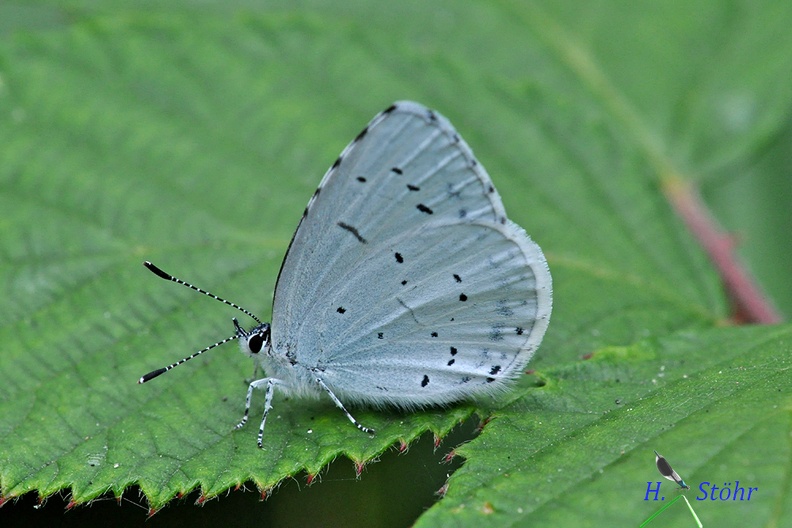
404, 285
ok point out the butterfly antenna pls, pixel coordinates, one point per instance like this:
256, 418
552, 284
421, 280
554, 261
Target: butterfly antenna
167, 276
154, 373
239, 330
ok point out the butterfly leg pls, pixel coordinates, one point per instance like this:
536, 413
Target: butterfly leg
269, 383
341, 406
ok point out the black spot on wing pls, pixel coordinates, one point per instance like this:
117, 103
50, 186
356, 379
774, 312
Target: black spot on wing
352, 230
341, 310
493, 371
413, 188
399, 257
457, 278
425, 381
361, 179
396, 170
361, 134
463, 297
424, 209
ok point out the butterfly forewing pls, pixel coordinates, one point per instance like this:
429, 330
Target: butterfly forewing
402, 160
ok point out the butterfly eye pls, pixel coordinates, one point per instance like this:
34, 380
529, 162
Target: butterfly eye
255, 342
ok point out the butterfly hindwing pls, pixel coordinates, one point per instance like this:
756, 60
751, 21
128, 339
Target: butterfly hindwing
453, 324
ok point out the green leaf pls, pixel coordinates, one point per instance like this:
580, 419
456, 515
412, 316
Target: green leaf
580, 451
193, 136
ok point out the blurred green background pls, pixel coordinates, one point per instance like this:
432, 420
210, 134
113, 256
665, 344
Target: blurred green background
193, 134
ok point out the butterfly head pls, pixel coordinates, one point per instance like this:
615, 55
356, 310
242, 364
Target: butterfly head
253, 342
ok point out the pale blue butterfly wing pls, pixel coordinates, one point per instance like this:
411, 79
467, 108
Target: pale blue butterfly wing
405, 283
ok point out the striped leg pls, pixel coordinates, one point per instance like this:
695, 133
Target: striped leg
341, 406
270, 390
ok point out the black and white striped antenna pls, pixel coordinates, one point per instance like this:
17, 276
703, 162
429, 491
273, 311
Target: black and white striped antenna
240, 332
